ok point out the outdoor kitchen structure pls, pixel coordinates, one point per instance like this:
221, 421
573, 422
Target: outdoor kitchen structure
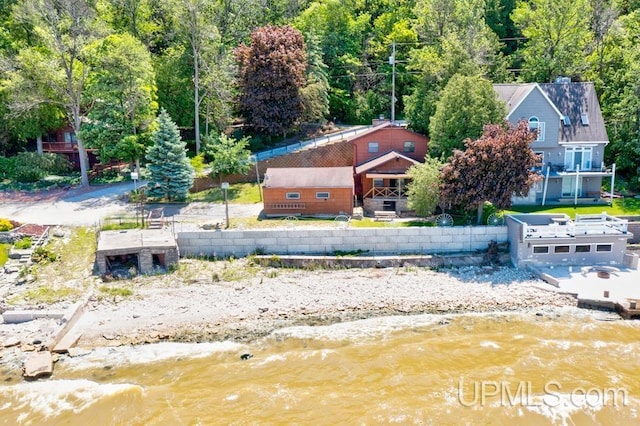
556, 239
136, 251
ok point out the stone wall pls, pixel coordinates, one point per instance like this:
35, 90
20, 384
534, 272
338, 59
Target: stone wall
375, 241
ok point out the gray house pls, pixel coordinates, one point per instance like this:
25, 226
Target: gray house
571, 138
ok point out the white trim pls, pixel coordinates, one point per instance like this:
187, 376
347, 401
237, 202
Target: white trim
292, 195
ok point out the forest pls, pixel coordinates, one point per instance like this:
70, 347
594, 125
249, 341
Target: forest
266, 67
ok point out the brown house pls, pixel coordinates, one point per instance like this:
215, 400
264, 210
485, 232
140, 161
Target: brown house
381, 158
308, 191
63, 141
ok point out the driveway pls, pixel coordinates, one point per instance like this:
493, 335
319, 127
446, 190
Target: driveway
87, 206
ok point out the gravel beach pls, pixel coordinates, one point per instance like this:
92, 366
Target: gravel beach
204, 309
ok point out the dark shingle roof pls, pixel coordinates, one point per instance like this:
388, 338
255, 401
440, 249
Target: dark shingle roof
573, 100
309, 177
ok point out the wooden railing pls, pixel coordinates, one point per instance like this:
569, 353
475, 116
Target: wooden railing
59, 147
386, 192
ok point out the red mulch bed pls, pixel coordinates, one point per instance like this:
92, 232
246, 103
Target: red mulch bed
31, 229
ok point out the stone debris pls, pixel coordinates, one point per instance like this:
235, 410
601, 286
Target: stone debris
38, 364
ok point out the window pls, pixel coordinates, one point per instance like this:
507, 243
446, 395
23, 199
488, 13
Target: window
603, 247
409, 146
293, 195
322, 195
373, 146
578, 156
567, 121
536, 126
584, 119
69, 137
540, 249
583, 249
561, 249
378, 183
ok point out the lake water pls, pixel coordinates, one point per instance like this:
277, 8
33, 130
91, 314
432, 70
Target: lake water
562, 367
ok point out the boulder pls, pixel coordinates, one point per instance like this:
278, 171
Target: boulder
38, 364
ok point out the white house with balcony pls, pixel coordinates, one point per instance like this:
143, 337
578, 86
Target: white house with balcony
571, 139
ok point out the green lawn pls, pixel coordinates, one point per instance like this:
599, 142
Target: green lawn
239, 193
620, 207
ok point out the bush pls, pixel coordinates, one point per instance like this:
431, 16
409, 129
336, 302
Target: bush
43, 255
24, 243
31, 166
5, 225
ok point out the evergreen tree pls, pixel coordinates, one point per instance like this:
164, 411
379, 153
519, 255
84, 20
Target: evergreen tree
171, 171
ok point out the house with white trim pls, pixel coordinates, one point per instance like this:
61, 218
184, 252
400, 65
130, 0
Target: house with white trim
571, 139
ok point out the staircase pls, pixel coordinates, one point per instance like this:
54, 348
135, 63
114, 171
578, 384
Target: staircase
155, 219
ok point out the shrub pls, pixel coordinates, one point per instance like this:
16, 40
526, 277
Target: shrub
5, 225
24, 243
43, 255
31, 166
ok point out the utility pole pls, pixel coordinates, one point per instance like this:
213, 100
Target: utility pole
392, 61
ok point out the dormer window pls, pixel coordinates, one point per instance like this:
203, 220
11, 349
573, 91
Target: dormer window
584, 119
535, 125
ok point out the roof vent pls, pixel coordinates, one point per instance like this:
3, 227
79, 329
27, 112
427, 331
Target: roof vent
562, 79
584, 119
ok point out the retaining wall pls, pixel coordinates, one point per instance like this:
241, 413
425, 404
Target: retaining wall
376, 241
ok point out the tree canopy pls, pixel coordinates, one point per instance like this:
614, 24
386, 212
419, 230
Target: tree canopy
272, 72
50, 67
493, 168
466, 105
423, 192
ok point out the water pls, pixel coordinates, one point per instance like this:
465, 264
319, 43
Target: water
565, 367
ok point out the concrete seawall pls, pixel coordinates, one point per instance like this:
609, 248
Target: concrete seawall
374, 241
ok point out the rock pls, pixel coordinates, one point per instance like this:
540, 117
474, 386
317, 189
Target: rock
246, 356
38, 364
10, 342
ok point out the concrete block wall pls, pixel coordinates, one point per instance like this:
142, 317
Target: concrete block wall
376, 241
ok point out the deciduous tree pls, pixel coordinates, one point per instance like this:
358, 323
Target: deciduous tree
493, 168
272, 71
423, 192
56, 70
227, 155
557, 33
171, 173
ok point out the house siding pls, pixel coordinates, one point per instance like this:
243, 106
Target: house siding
389, 139
537, 105
340, 202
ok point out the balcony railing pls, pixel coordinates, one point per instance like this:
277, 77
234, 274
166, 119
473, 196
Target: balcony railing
59, 147
564, 169
386, 192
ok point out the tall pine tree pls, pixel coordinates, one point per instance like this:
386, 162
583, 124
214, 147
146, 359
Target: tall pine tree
171, 171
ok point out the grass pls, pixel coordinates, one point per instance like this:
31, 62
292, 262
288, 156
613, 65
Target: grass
116, 291
238, 193
47, 294
4, 253
620, 207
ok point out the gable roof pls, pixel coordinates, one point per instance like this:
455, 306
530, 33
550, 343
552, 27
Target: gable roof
374, 162
575, 99
514, 94
568, 99
309, 177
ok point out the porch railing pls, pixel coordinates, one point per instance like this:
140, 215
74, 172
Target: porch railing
386, 192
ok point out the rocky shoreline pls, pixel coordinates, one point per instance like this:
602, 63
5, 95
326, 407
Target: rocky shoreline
217, 305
